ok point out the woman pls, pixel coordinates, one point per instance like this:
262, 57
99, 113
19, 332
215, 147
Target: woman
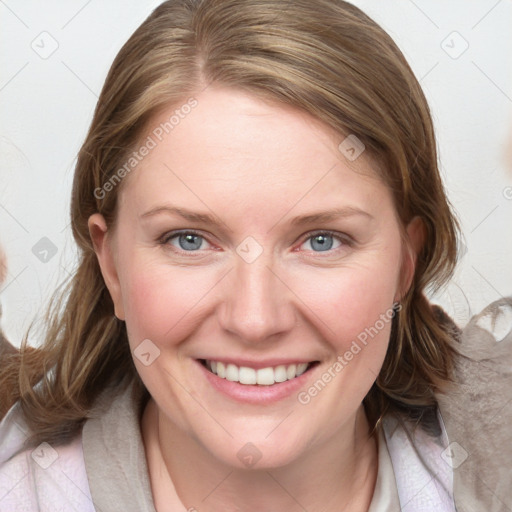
259, 213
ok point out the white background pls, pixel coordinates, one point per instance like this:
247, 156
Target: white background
46, 105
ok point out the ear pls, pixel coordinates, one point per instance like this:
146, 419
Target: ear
415, 238
103, 248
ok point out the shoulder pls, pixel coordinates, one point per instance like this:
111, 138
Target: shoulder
83, 473
46, 478
114, 452
424, 483
477, 410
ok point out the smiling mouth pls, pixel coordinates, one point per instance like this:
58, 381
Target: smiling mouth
263, 376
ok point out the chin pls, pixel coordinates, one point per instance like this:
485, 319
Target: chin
256, 447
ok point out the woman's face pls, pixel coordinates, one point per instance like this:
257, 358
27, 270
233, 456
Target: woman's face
248, 243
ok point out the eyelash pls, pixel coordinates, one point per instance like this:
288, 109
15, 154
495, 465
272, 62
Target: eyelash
344, 239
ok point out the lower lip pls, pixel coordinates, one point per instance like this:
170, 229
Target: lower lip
256, 394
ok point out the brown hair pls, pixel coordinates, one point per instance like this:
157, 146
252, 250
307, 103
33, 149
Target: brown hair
323, 57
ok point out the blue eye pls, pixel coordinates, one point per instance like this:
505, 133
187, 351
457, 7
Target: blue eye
190, 241
187, 241
321, 242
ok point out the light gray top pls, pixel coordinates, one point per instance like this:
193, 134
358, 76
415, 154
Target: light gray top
114, 455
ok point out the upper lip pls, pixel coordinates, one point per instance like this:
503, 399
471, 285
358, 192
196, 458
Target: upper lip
259, 364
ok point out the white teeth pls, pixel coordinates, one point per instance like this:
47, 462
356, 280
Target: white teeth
280, 373
250, 376
232, 372
291, 371
265, 376
246, 375
301, 368
221, 370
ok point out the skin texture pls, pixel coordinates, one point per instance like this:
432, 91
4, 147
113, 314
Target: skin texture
255, 166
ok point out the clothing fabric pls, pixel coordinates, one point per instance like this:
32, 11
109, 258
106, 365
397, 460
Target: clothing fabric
466, 468
104, 469
385, 495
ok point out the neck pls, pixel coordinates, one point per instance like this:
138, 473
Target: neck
338, 475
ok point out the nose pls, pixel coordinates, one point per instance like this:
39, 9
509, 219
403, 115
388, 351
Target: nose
257, 305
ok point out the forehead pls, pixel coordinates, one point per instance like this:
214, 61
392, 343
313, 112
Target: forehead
236, 149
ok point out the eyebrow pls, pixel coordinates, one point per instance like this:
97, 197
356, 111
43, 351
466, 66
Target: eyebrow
315, 217
329, 215
182, 212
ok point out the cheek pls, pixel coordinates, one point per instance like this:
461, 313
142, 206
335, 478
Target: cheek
161, 301
349, 301
353, 311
